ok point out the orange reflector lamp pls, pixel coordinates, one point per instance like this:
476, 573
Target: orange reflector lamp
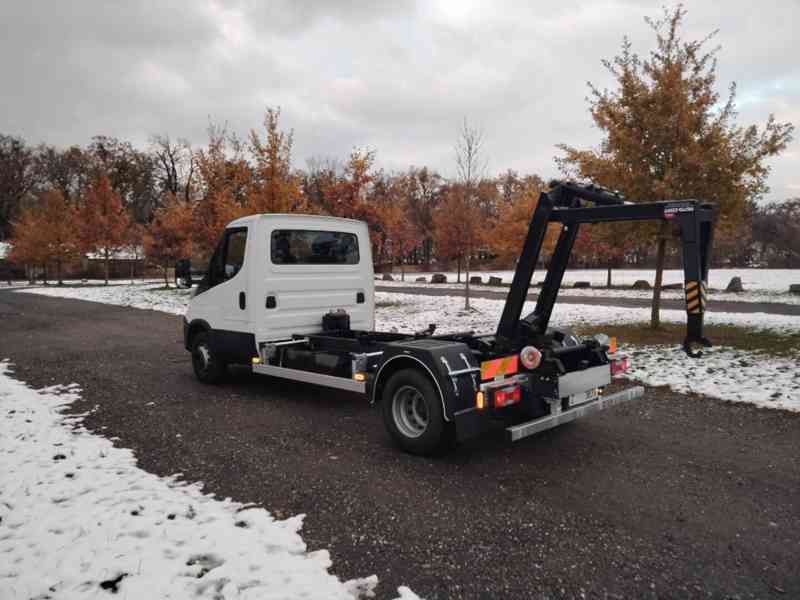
508, 365
612, 345
480, 401
359, 376
507, 396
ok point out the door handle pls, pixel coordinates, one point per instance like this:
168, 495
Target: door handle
242, 300
271, 302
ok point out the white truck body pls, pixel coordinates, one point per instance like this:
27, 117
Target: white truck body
278, 274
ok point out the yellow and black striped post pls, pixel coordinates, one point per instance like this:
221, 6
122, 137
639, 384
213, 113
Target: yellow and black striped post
695, 297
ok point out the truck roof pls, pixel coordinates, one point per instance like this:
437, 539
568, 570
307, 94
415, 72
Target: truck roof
293, 216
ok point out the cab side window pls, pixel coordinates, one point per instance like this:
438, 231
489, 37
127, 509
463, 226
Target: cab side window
234, 252
228, 257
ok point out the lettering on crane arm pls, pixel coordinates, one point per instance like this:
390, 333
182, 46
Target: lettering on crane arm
672, 210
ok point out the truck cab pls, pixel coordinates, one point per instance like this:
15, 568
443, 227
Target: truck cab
272, 276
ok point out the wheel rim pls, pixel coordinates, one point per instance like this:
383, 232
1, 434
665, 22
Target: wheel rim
410, 411
202, 357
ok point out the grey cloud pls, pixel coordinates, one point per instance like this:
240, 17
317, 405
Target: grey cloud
395, 76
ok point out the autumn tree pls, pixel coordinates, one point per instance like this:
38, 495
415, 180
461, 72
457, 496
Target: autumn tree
130, 172
457, 228
602, 245
518, 200
133, 245
47, 233
224, 180
103, 222
169, 237
668, 135
422, 190
276, 188
28, 245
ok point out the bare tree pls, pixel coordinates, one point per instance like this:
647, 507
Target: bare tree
18, 176
471, 169
175, 165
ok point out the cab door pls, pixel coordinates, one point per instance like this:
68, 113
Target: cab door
223, 297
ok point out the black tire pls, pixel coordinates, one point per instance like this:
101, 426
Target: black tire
207, 366
412, 413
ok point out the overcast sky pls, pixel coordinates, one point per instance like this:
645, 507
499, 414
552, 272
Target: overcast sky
395, 76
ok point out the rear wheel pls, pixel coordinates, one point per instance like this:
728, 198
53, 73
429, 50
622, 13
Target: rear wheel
207, 366
412, 412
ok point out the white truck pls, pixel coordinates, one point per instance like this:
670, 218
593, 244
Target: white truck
292, 296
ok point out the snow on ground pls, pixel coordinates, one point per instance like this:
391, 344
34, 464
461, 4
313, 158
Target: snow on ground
775, 280
722, 372
408, 313
148, 296
79, 519
747, 296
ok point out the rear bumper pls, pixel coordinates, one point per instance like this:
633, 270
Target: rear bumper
517, 432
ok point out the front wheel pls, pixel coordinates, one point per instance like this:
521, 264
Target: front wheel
412, 412
207, 366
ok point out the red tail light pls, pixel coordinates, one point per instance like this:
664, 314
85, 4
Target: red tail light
507, 396
619, 365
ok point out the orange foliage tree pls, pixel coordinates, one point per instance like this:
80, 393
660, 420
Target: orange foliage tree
169, 237
225, 178
47, 234
275, 188
667, 135
457, 226
103, 221
519, 200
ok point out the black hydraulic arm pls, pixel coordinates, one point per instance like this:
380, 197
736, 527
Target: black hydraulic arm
565, 203
518, 293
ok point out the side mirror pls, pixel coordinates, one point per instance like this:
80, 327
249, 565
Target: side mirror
230, 271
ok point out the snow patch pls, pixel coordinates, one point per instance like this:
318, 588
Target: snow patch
776, 280
722, 372
79, 519
409, 312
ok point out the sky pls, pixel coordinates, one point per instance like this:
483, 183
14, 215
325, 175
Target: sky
395, 76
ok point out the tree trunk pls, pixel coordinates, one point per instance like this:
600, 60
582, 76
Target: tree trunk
133, 269
655, 315
58, 272
402, 270
105, 264
458, 276
608, 279
44, 273
466, 287
166, 277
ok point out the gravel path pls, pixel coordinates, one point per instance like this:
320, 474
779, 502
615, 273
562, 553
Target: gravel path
676, 496
772, 308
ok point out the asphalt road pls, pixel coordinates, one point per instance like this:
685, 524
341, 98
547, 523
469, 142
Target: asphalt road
714, 304
672, 497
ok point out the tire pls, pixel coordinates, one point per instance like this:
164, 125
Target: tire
412, 413
207, 366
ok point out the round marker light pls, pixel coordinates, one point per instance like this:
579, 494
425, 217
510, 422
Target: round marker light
530, 357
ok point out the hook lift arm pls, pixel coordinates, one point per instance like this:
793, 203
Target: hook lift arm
572, 205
